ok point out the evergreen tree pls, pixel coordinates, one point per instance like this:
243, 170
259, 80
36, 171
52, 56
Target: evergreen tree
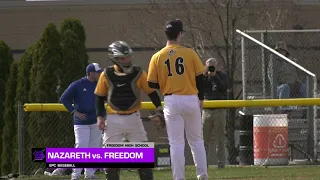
45, 65
72, 69
23, 88
76, 26
72, 64
6, 60
75, 59
23, 84
44, 76
9, 150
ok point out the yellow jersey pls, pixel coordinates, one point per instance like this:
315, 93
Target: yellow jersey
175, 69
104, 88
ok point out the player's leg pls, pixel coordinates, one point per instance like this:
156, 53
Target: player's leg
82, 137
133, 128
113, 133
135, 132
94, 142
175, 129
95, 136
207, 124
193, 125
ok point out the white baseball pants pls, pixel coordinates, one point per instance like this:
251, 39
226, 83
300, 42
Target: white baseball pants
120, 126
182, 114
86, 136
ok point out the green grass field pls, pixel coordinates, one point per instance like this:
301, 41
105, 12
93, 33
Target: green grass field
229, 173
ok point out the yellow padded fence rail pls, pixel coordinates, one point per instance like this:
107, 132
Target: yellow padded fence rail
44, 107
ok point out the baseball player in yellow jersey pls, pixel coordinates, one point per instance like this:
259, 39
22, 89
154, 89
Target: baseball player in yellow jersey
177, 72
121, 84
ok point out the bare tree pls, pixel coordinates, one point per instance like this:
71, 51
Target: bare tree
274, 15
211, 30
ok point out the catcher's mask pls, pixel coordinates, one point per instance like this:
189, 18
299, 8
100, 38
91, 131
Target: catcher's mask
119, 50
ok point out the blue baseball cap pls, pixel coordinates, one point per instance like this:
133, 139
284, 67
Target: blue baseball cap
93, 67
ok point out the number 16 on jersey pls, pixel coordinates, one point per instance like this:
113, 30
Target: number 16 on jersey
178, 66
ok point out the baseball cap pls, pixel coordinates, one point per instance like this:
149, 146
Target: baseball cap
282, 46
174, 26
93, 67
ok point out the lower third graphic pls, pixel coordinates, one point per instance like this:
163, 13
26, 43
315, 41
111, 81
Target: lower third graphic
38, 154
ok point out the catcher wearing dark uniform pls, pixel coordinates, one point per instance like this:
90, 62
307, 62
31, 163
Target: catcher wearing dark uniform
121, 85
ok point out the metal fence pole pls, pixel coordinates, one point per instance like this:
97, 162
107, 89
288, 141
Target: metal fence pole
285, 31
20, 138
315, 120
310, 141
243, 64
263, 63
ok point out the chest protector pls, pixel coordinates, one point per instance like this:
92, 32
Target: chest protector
124, 93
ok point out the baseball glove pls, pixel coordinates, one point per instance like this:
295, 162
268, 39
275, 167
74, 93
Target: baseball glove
157, 118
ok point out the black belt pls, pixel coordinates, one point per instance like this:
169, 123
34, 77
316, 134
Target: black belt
128, 113
167, 94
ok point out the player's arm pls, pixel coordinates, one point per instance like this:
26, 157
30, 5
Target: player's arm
153, 85
200, 86
153, 95
152, 77
101, 92
199, 69
100, 109
68, 96
155, 99
157, 118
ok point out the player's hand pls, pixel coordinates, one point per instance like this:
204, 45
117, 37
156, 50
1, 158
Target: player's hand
201, 104
80, 115
158, 118
101, 123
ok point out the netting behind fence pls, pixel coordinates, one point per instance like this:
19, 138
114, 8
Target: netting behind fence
266, 73
268, 76
264, 138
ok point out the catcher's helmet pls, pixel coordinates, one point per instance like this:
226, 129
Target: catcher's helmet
120, 49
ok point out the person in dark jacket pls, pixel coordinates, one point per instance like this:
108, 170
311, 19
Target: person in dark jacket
81, 94
214, 120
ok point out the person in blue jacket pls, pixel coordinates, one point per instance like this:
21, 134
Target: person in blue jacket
80, 93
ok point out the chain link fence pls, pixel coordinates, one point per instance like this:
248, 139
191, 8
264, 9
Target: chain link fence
263, 135
42, 129
55, 129
261, 139
268, 76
